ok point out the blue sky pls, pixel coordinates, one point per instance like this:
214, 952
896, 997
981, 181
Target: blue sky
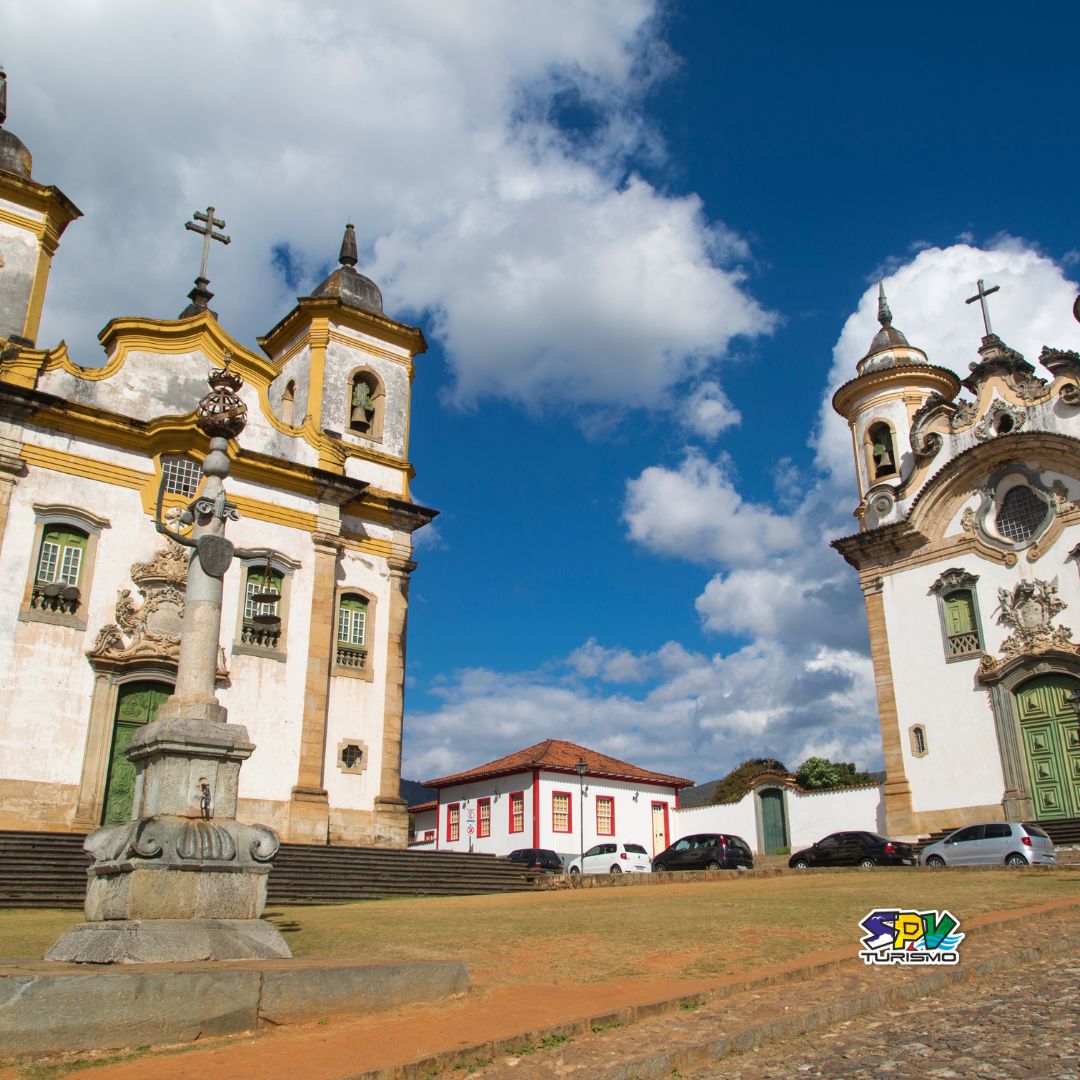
643, 241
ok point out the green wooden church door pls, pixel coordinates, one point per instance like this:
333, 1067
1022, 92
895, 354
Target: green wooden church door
137, 705
1048, 725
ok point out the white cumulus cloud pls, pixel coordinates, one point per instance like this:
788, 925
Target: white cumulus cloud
551, 272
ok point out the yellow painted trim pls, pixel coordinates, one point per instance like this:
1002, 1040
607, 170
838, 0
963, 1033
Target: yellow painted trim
37, 295
31, 225
318, 336
74, 465
363, 345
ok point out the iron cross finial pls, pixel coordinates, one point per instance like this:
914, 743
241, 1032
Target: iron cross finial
206, 230
981, 296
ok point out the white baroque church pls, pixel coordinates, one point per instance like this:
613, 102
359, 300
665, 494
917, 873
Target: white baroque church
91, 596
968, 554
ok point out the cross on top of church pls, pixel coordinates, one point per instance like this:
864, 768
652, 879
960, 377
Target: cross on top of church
981, 296
206, 230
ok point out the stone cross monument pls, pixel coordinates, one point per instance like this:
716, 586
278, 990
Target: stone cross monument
184, 880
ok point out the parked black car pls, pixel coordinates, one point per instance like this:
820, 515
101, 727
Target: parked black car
706, 851
537, 859
854, 849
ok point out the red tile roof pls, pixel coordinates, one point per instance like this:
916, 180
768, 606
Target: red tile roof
421, 807
560, 756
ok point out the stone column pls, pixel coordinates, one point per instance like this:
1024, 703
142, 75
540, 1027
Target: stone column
391, 813
309, 808
899, 815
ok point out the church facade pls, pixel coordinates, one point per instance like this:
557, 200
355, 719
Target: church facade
312, 656
967, 554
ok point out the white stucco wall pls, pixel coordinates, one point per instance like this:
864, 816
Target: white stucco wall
808, 815
945, 697
814, 814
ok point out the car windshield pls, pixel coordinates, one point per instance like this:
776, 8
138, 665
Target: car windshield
1034, 830
635, 849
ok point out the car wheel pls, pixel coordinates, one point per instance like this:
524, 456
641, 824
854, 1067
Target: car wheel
867, 862
714, 865
1015, 859
575, 869
800, 864
615, 870
935, 861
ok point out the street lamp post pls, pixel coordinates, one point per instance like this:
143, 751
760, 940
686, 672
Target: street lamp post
580, 766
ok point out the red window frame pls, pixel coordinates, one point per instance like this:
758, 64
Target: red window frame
517, 803
569, 813
453, 821
483, 817
610, 800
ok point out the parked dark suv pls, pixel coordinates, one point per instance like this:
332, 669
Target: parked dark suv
854, 849
706, 851
537, 859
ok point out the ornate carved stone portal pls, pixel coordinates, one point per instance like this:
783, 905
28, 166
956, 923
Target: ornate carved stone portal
1028, 610
149, 629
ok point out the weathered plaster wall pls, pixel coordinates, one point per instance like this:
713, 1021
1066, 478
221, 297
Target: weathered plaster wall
19, 250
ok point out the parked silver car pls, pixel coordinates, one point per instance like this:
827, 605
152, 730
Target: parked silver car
992, 844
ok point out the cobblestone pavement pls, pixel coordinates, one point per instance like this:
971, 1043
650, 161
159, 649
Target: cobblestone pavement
1021, 1023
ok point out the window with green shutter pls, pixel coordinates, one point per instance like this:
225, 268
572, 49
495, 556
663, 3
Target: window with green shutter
961, 628
262, 618
352, 631
58, 574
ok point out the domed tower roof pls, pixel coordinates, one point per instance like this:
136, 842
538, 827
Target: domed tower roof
883, 349
14, 156
347, 284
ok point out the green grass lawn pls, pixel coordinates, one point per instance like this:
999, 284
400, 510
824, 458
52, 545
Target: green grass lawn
683, 930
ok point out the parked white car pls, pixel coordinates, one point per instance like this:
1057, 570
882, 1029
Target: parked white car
613, 859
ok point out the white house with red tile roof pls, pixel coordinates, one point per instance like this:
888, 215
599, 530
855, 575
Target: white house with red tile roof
556, 795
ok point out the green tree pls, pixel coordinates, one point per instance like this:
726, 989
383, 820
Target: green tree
821, 773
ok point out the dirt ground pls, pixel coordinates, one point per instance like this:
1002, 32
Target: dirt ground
536, 961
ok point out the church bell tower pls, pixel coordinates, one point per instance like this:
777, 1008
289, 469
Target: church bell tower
33, 217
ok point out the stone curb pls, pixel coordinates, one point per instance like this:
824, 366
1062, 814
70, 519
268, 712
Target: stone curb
72, 1010
709, 1051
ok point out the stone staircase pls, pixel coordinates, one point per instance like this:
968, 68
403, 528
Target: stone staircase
48, 870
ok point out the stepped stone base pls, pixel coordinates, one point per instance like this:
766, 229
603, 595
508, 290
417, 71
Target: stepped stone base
153, 941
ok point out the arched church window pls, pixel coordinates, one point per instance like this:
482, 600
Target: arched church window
958, 609
882, 451
61, 565
60, 559
352, 651
918, 740
288, 402
264, 606
1021, 514
366, 404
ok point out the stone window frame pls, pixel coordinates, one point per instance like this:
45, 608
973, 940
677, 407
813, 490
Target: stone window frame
869, 443
917, 734
949, 583
53, 515
998, 485
286, 567
378, 399
360, 767
367, 672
